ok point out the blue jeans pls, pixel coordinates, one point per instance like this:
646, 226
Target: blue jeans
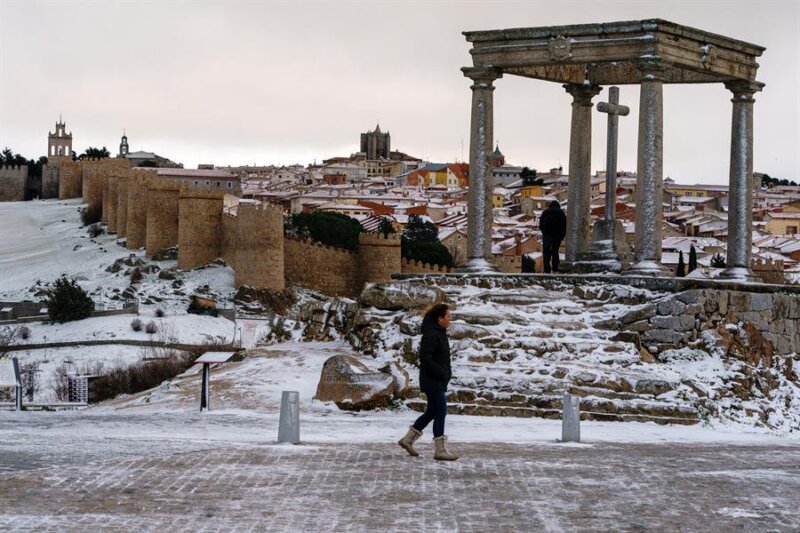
436, 411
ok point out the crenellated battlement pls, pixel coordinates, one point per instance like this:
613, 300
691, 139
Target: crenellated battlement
308, 243
378, 239
412, 266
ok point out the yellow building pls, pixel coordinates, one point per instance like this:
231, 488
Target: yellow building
697, 191
782, 223
530, 191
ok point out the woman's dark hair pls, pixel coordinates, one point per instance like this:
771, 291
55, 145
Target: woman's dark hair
436, 312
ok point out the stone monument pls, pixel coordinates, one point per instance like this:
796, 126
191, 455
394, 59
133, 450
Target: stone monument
584, 58
609, 252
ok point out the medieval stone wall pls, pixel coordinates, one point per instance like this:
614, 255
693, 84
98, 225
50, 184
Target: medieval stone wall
122, 205
110, 200
49, 182
716, 314
136, 223
13, 180
409, 266
259, 245
379, 257
70, 182
200, 227
229, 225
95, 173
327, 269
162, 215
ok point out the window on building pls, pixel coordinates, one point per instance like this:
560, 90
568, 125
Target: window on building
699, 194
230, 185
196, 183
687, 194
791, 230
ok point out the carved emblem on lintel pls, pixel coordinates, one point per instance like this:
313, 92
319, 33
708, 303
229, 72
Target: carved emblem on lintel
560, 47
708, 54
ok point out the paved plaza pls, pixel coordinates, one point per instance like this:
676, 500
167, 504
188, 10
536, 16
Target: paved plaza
124, 477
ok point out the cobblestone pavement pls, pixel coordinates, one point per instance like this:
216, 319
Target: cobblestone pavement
376, 487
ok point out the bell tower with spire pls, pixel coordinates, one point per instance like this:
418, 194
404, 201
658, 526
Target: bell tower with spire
123, 145
59, 143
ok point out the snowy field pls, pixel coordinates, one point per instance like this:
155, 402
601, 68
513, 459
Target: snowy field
41, 240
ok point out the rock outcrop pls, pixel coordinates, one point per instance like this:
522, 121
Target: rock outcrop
352, 385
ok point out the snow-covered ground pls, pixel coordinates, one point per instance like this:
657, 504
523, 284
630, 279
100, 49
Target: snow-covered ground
533, 343
245, 405
41, 240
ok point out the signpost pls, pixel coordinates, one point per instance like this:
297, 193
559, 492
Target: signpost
207, 359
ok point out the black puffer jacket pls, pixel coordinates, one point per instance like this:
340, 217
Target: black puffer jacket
553, 222
434, 357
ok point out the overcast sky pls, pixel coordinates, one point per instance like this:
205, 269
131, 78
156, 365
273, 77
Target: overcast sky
290, 82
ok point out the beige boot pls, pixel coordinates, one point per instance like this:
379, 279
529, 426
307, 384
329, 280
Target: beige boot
407, 442
440, 445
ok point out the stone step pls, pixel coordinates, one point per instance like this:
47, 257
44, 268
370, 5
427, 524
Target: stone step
555, 414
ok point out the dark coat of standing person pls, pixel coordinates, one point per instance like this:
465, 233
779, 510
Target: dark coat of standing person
434, 375
553, 224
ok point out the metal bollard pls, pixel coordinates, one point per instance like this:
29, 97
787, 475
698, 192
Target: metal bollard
570, 418
289, 424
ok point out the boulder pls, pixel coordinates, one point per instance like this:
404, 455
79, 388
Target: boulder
652, 386
400, 296
353, 386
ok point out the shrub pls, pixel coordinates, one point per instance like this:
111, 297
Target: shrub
95, 230
434, 253
151, 328
419, 230
91, 215
680, 270
333, 229
25, 332
717, 261
141, 376
386, 227
198, 309
159, 312
528, 264
68, 301
136, 324
136, 275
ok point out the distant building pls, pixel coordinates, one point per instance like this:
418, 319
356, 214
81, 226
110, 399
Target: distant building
376, 144
204, 179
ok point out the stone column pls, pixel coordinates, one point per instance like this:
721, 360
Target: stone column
479, 217
649, 170
740, 195
580, 172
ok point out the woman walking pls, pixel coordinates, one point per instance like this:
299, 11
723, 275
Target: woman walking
434, 375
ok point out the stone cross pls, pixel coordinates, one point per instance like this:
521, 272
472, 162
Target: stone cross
614, 111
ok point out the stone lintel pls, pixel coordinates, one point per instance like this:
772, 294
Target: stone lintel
606, 52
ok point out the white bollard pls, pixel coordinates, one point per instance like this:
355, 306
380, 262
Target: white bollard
289, 424
570, 418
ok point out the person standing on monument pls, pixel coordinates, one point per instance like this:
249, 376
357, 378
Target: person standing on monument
553, 224
434, 375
